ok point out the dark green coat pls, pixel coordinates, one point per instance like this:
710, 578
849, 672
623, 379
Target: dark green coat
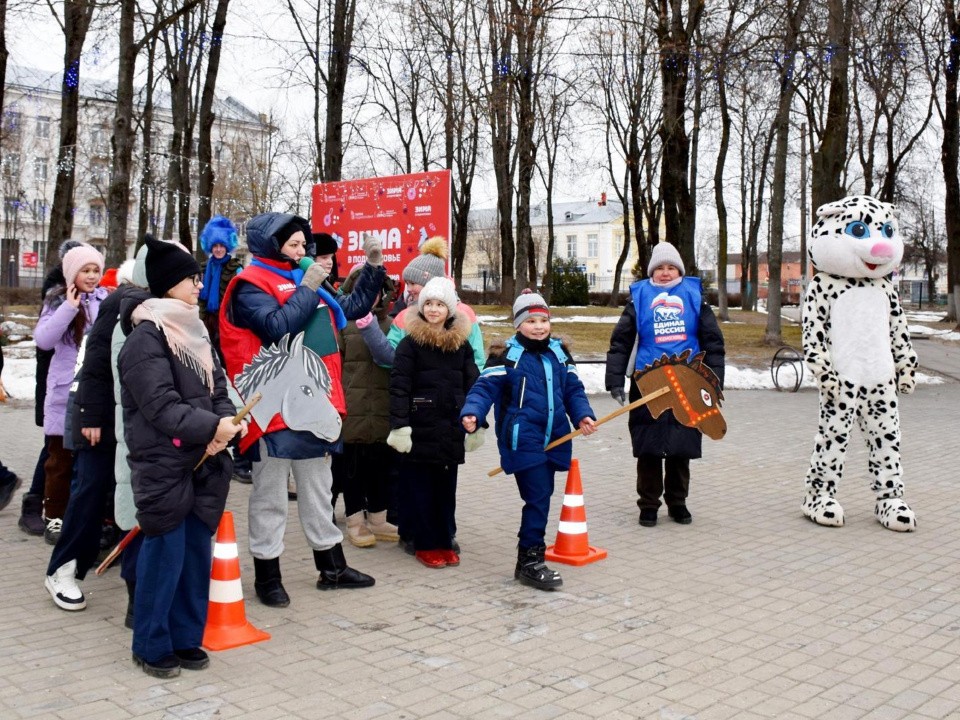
367, 388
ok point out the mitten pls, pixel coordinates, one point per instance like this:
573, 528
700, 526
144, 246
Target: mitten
474, 440
906, 381
374, 251
364, 321
619, 395
399, 439
314, 276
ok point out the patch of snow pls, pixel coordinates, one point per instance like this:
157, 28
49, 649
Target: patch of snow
924, 331
926, 316
19, 377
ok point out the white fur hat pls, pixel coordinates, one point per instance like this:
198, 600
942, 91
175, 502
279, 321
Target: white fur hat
442, 289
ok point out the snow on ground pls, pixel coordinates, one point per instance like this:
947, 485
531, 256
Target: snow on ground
19, 377
925, 316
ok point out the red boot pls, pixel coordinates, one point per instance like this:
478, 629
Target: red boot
431, 558
451, 557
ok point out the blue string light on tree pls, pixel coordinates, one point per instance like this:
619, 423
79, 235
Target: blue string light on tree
71, 78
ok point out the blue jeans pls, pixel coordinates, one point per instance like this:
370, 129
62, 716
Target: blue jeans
173, 585
536, 486
83, 520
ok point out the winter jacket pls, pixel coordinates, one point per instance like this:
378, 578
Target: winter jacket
227, 272
169, 417
52, 279
367, 387
252, 316
533, 387
432, 372
124, 508
664, 437
52, 333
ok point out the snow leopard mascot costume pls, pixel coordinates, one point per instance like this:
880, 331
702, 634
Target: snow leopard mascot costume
855, 339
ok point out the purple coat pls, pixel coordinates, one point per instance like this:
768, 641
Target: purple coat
52, 333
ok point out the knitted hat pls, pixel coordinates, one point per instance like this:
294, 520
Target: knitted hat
66, 246
442, 289
109, 279
77, 257
664, 252
430, 263
528, 303
125, 272
218, 231
167, 264
297, 224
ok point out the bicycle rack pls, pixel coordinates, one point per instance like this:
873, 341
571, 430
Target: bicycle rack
786, 369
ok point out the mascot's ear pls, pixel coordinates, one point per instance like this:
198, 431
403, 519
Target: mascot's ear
890, 208
838, 207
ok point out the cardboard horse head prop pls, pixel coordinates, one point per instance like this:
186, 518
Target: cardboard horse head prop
295, 383
694, 396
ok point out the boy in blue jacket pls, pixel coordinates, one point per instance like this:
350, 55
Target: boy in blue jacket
533, 385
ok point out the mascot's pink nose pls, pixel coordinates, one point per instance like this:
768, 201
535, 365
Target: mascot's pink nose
881, 249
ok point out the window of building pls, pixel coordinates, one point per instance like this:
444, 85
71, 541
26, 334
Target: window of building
11, 204
43, 126
617, 245
40, 248
99, 173
40, 169
11, 164
12, 121
592, 246
95, 216
39, 211
571, 246
97, 137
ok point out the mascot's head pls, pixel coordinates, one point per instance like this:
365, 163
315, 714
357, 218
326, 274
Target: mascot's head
856, 237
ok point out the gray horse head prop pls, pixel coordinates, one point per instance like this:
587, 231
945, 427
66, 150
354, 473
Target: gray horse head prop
295, 383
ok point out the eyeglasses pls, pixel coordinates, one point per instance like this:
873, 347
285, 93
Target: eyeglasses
196, 280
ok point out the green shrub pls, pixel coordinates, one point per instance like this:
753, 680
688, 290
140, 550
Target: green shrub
570, 286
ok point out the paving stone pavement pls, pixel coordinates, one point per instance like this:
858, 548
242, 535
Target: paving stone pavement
750, 612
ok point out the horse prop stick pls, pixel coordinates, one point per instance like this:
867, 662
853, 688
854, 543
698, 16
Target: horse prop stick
606, 418
128, 538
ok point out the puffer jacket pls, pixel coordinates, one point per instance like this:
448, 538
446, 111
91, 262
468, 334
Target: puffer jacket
52, 333
168, 423
433, 370
528, 415
665, 436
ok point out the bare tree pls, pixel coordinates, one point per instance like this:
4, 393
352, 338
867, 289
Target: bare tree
675, 27
77, 16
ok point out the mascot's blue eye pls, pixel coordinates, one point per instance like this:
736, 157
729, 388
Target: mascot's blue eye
306, 391
857, 229
887, 231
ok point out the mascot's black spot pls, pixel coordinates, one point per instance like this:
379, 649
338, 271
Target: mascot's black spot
903, 519
828, 514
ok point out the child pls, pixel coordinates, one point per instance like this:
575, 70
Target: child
663, 447
68, 312
175, 409
433, 369
533, 385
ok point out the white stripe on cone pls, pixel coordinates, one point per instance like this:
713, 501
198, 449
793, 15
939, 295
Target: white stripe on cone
226, 591
225, 551
572, 528
573, 500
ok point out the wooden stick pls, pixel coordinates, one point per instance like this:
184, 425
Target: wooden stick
124, 541
237, 419
606, 418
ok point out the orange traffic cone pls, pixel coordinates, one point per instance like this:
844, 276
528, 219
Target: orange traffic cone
227, 625
572, 546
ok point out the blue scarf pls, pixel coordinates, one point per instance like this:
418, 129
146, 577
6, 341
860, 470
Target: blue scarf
211, 277
297, 277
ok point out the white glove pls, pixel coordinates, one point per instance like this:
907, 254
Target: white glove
314, 276
399, 439
474, 440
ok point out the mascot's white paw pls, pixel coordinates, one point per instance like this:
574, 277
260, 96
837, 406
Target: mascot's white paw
895, 514
823, 510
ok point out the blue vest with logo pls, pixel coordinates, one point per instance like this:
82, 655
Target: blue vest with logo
667, 319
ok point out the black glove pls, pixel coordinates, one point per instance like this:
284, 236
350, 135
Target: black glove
618, 395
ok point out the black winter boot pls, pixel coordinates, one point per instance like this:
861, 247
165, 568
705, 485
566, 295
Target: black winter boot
31, 515
334, 572
267, 583
131, 593
532, 571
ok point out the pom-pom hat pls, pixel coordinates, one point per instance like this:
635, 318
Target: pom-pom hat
529, 303
430, 263
439, 288
77, 257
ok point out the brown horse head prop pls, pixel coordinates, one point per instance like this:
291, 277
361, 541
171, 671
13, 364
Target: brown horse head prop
694, 395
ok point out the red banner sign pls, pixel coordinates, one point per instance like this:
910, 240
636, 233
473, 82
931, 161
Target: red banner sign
401, 211
29, 260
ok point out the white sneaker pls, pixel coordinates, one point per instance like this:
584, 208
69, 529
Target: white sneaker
63, 588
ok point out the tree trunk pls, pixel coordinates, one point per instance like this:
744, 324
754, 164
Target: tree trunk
144, 205
950, 156
344, 12
722, 231
4, 53
77, 15
830, 158
118, 196
206, 117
